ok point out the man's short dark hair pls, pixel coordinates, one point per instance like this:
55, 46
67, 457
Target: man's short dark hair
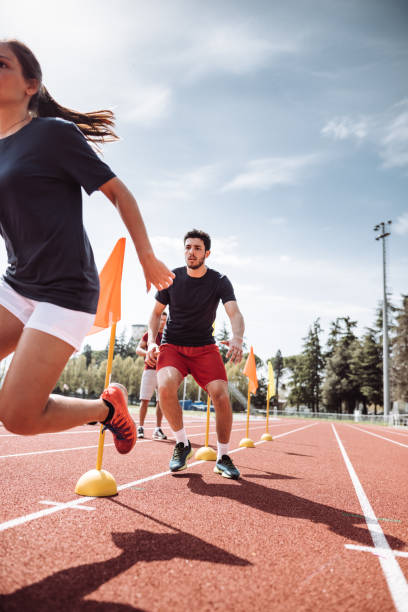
195, 233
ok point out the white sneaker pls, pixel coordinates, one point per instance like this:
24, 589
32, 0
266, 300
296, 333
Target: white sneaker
159, 435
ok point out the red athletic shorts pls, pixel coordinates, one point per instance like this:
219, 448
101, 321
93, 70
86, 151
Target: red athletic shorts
204, 363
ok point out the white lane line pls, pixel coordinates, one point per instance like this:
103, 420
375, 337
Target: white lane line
376, 551
55, 433
52, 450
286, 433
76, 448
96, 430
83, 500
52, 503
397, 584
370, 433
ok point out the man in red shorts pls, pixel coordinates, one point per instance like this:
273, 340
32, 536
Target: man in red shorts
188, 346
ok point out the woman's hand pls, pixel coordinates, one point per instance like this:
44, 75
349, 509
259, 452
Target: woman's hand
156, 273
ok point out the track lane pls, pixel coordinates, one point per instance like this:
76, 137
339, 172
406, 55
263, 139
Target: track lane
275, 539
394, 576
53, 476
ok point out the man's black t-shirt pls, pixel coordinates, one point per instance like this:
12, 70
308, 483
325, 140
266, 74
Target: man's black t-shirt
42, 169
193, 306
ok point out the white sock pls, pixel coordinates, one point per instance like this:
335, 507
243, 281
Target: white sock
222, 449
156, 428
181, 436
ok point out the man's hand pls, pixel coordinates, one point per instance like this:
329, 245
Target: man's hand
152, 354
234, 353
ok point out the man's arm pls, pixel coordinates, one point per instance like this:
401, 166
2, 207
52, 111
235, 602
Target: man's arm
141, 348
238, 328
152, 331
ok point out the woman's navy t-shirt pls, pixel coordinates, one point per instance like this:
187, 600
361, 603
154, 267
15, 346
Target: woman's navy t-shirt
193, 304
42, 169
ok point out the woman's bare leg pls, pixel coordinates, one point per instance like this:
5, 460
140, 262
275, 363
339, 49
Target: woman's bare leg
26, 406
11, 329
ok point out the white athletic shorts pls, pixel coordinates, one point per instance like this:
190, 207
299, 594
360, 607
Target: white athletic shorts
148, 384
71, 326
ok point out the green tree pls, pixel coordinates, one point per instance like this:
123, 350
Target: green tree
399, 369
366, 368
311, 373
88, 354
278, 369
340, 389
295, 366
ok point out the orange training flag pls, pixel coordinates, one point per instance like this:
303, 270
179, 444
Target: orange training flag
110, 279
250, 371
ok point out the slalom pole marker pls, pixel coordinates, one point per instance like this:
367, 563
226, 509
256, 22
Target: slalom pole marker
206, 453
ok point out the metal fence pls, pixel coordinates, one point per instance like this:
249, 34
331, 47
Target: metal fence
393, 419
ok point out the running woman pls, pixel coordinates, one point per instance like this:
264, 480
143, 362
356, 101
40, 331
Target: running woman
188, 346
149, 385
49, 292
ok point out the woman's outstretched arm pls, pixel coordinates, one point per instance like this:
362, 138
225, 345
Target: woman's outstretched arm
155, 271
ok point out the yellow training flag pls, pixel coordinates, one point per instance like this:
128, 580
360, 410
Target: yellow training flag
109, 304
271, 382
250, 371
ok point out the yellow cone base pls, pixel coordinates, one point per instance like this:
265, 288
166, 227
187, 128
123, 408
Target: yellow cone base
267, 436
96, 483
247, 442
206, 453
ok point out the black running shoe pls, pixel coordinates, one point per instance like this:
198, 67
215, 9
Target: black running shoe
140, 432
226, 468
180, 455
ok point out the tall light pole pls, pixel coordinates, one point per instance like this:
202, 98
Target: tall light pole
384, 229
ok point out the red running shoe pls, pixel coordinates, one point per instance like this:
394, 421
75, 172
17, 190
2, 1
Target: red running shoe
119, 421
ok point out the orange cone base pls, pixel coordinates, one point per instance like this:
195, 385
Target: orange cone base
206, 453
247, 442
96, 483
267, 436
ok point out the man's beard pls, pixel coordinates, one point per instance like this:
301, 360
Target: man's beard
193, 265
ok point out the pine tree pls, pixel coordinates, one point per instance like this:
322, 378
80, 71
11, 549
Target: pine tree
296, 383
277, 364
366, 368
312, 367
340, 387
399, 369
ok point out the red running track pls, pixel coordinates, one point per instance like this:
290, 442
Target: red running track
319, 519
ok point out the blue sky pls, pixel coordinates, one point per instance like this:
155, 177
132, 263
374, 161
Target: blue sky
279, 128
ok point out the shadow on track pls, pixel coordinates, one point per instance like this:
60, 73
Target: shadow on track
286, 504
65, 590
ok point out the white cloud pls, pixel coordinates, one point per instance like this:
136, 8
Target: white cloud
181, 186
232, 48
226, 251
395, 140
277, 220
145, 105
264, 173
401, 225
387, 131
345, 127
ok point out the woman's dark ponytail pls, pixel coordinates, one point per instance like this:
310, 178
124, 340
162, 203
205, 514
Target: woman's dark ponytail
96, 126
